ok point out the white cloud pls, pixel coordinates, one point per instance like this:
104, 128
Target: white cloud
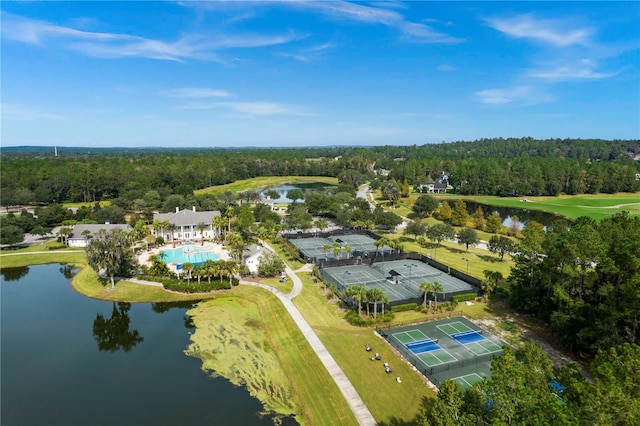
196, 92
310, 54
343, 10
519, 95
555, 32
113, 45
13, 112
581, 70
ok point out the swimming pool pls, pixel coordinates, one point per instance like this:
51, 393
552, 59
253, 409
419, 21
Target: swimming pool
194, 255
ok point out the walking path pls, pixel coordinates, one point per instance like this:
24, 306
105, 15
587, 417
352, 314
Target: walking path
360, 410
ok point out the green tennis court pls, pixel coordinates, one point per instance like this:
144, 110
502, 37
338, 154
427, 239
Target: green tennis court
433, 350
467, 380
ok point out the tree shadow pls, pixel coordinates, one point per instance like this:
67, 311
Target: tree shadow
113, 334
487, 258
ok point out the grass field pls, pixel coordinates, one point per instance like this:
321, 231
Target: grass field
597, 206
390, 402
250, 339
265, 181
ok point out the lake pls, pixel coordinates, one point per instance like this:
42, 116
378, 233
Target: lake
71, 360
524, 215
283, 189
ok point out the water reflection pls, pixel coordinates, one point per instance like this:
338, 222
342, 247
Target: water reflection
14, 274
113, 334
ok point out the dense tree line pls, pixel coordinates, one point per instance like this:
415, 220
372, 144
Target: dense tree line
489, 166
583, 279
520, 392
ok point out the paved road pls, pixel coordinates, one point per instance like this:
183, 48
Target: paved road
363, 192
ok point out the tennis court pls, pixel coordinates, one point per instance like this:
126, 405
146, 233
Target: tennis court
345, 276
314, 247
473, 340
467, 380
435, 350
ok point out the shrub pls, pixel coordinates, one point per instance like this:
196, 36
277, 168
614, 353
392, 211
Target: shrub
464, 297
405, 307
159, 241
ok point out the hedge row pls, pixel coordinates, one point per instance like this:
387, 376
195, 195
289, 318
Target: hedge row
405, 307
464, 297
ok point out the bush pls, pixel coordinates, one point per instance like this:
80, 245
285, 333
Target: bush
353, 318
159, 241
464, 297
194, 287
56, 246
405, 307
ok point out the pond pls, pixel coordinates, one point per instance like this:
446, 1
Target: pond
506, 213
283, 189
71, 360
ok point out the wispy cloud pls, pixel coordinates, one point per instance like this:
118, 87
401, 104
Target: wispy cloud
576, 71
310, 54
197, 93
14, 112
356, 12
114, 45
555, 32
518, 95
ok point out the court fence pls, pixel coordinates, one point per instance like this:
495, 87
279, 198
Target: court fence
429, 372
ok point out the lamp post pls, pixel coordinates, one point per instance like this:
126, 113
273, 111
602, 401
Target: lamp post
410, 266
466, 260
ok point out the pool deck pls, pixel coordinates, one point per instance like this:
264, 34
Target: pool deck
223, 254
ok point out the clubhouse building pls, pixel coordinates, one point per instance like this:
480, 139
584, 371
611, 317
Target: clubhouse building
186, 224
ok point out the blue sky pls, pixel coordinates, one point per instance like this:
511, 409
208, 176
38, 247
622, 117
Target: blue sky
303, 73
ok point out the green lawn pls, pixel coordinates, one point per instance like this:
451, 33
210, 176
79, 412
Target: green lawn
389, 402
296, 381
572, 206
265, 181
12, 261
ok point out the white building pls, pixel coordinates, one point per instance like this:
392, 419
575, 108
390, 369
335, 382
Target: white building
83, 233
251, 258
186, 222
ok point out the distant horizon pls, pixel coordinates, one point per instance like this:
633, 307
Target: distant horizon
249, 147
217, 74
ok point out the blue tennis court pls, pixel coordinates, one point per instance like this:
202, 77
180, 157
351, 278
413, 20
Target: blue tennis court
468, 336
422, 346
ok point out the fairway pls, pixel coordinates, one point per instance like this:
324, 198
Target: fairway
597, 206
263, 182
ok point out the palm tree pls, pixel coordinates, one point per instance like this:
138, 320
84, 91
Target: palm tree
437, 288
321, 224
208, 269
229, 214
375, 295
201, 226
384, 300
198, 271
426, 287
358, 293
336, 250
64, 233
237, 245
325, 249
490, 283
86, 234
187, 267
218, 223
347, 250
172, 229
231, 268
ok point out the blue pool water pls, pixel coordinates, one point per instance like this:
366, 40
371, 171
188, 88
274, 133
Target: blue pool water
192, 254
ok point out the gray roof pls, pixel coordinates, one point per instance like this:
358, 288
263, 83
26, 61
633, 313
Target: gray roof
187, 217
252, 250
95, 228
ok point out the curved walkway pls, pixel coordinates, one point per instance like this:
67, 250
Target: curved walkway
360, 410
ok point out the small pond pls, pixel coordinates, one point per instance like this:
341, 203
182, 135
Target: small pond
283, 189
506, 213
71, 360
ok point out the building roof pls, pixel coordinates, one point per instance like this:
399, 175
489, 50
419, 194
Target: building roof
95, 228
251, 251
187, 217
